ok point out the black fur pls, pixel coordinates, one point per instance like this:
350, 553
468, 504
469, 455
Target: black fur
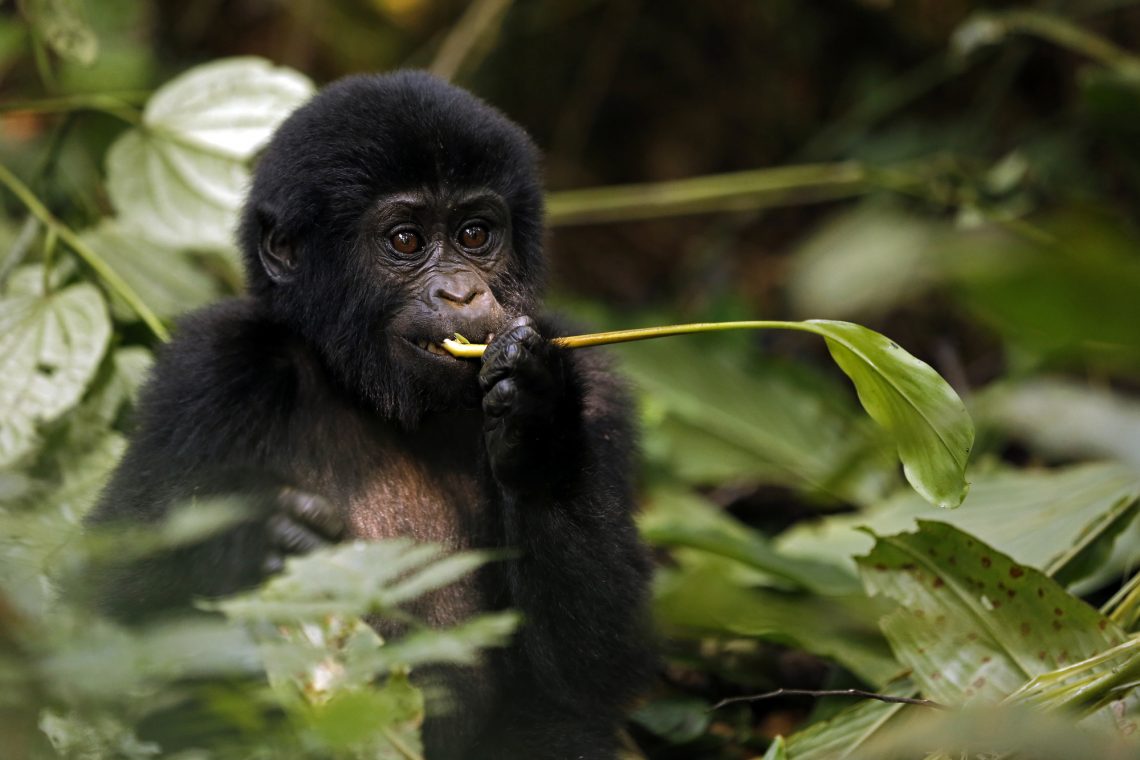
307, 398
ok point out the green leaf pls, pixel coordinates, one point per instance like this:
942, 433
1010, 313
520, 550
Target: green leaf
167, 280
127, 63
119, 388
351, 579
676, 517
378, 722
1064, 419
776, 750
82, 735
61, 24
50, 348
39, 533
700, 598
973, 624
921, 411
1071, 302
678, 719
93, 660
864, 263
174, 195
459, 645
179, 180
990, 732
1042, 518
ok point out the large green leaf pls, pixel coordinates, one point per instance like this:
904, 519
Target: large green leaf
700, 598
922, 412
352, 579
167, 280
1070, 302
864, 262
973, 624
1042, 518
1063, 418
180, 178
62, 25
989, 732
676, 517
93, 660
50, 348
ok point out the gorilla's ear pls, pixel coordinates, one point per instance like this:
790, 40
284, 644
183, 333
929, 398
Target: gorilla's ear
277, 254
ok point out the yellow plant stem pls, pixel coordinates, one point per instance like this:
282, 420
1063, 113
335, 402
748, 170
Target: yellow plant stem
464, 350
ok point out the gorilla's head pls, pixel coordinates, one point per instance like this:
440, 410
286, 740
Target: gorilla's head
388, 213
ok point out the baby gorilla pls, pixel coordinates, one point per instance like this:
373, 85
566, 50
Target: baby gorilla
387, 214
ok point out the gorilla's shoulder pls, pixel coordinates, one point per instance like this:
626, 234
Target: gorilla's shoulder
223, 359
231, 338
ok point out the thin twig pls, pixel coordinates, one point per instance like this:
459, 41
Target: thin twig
474, 32
84, 251
1065, 34
461, 348
108, 102
405, 751
831, 693
739, 191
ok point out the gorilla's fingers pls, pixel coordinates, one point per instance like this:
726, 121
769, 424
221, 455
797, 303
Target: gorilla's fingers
314, 512
523, 321
291, 536
498, 401
515, 352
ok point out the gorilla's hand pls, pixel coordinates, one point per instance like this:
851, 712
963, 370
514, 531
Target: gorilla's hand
523, 379
300, 522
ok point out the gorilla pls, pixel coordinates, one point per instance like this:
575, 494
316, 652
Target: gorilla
388, 213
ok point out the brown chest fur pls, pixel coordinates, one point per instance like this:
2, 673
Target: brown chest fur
389, 485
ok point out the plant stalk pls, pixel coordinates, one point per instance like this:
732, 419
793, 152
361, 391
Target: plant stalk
739, 191
459, 348
84, 251
1065, 34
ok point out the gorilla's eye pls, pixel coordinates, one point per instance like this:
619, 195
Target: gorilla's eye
406, 242
474, 236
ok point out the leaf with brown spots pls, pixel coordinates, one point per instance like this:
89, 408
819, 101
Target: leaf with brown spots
967, 645
1062, 521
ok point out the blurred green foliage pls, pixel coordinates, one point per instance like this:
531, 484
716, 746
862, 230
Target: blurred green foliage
961, 176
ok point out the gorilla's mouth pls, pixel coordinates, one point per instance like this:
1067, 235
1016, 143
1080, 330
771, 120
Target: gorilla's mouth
436, 348
432, 348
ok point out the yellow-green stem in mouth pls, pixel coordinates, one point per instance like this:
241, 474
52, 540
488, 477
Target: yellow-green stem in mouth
462, 348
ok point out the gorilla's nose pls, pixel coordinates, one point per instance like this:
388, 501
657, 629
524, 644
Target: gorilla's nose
463, 292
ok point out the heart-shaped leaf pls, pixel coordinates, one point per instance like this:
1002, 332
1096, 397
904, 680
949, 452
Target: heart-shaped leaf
50, 347
179, 179
166, 279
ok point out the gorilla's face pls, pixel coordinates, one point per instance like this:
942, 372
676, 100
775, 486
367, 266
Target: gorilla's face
386, 215
422, 266
444, 256
445, 253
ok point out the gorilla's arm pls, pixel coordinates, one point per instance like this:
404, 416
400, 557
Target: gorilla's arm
210, 423
560, 444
